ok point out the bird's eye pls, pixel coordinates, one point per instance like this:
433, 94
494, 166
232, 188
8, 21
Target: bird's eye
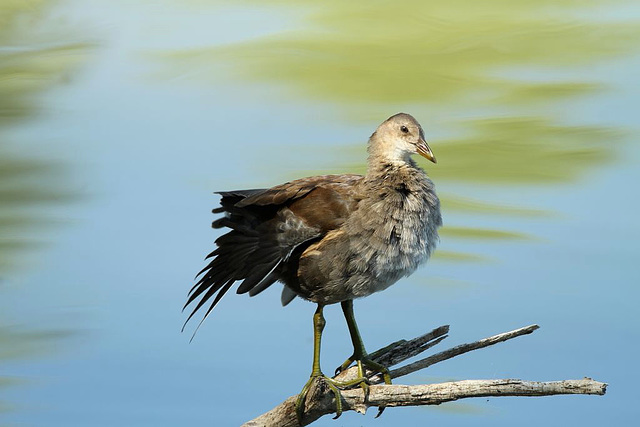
404, 129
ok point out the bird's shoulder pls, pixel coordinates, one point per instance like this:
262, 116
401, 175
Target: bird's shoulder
330, 202
321, 202
343, 186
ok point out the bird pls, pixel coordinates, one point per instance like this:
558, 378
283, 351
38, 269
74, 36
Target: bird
329, 239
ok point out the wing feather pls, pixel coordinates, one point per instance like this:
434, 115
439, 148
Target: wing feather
265, 227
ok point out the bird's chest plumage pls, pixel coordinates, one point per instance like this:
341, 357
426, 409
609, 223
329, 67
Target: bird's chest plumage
393, 231
401, 231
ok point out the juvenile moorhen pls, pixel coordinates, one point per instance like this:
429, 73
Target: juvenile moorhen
330, 239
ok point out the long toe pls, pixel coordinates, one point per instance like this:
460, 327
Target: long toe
377, 368
333, 386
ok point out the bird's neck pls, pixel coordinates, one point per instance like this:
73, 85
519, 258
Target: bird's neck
382, 152
388, 163
380, 167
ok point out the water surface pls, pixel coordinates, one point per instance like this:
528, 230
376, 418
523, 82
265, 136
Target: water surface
118, 120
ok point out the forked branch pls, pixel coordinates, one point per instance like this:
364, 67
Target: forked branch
319, 401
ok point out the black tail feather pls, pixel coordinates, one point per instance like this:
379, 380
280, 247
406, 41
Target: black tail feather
217, 299
243, 253
206, 297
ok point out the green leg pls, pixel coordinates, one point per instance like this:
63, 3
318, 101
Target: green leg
316, 373
360, 355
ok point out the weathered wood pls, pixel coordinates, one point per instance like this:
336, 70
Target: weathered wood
284, 415
319, 401
461, 349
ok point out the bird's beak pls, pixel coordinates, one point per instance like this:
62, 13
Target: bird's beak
425, 151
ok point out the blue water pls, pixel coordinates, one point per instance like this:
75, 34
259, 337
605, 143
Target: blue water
145, 148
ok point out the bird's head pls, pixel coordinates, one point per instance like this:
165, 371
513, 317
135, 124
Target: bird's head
398, 137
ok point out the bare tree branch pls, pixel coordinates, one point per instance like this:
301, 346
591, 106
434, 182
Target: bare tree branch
320, 401
460, 349
284, 415
407, 349
402, 350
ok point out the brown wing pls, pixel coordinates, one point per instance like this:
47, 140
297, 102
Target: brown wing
343, 185
269, 229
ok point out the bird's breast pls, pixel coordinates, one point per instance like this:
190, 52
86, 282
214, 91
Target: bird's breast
405, 233
390, 234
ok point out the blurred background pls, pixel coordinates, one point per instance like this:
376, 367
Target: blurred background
118, 119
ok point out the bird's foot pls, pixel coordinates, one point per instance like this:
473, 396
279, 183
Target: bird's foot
363, 362
333, 385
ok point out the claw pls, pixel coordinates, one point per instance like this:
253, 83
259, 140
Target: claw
333, 386
359, 356
301, 398
362, 379
345, 365
338, 399
374, 366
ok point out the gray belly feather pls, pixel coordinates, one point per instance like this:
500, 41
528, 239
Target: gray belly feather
388, 237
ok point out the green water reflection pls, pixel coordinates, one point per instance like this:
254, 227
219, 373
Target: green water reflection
430, 51
29, 65
496, 75
495, 83
515, 150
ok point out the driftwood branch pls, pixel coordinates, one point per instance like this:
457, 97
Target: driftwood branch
320, 402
